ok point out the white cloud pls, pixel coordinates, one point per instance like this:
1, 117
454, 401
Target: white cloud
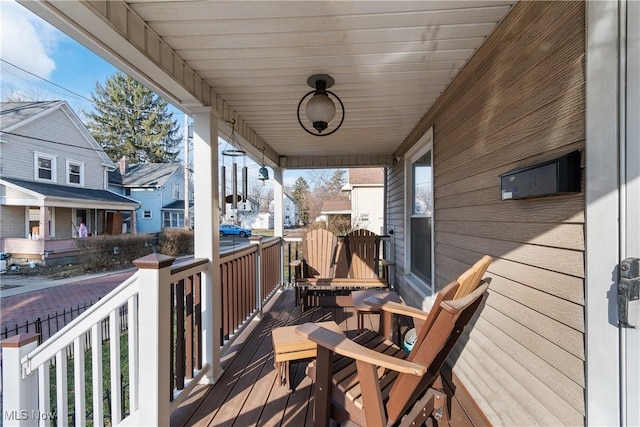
26, 40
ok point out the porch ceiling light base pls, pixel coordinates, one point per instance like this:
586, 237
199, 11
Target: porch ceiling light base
320, 109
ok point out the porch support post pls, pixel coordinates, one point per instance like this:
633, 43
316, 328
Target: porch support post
19, 401
154, 323
278, 213
206, 236
257, 241
134, 223
278, 202
43, 230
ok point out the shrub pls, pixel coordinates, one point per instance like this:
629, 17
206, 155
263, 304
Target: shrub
175, 242
112, 252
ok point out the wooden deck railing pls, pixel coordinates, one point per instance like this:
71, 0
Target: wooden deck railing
166, 333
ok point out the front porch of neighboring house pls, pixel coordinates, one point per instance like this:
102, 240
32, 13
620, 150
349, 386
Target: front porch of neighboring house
41, 222
50, 233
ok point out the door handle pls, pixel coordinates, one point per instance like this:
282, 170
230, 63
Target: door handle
628, 289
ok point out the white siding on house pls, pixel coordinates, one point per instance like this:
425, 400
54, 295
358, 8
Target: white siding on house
53, 135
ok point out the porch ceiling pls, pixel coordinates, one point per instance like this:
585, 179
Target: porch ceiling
251, 59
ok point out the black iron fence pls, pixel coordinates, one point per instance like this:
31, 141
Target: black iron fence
47, 326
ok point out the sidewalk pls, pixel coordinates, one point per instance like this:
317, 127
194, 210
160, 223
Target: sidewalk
31, 297
25, 298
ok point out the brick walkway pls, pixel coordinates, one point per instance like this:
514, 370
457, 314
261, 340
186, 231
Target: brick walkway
31, 305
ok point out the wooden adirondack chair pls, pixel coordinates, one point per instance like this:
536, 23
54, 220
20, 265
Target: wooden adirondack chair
321, 277
362, 254
372, 384
318, 260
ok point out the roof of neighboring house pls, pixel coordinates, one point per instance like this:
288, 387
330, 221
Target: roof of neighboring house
336, 207
16, 112
176, 206
67, 192
144, 175
13, 115
366, 176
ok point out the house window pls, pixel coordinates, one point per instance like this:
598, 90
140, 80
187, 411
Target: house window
173, 219
45, 167
364, 217
75, 173
146, 215
419, 209
175, 189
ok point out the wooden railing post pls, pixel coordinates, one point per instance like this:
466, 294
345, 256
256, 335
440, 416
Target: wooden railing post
154, 320
257, 240
19, 402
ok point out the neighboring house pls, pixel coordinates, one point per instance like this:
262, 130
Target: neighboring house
159, 188
53, 177
244, 214
366, 192
337, 215
291, 212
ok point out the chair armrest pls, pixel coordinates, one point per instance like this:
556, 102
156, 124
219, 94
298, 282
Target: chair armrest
396, 308
342, 345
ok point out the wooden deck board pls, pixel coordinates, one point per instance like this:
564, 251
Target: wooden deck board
247, 393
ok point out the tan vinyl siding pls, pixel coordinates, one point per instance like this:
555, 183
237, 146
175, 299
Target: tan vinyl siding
12, 221
518, 102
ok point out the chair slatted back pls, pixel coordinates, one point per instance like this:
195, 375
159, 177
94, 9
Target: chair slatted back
319, 252
449, 320
362, 249
470, 279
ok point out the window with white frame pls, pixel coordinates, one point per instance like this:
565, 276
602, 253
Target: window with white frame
146, 214
175, 189
173, 219
45, 167
419, 211
75, 173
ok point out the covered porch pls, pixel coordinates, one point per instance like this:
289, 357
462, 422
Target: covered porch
456, 93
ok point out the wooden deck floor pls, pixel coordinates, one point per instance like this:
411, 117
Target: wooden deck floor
247, 393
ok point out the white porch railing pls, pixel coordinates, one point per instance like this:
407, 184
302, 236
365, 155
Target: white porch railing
156, 364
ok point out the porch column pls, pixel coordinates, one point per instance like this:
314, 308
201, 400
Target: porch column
206, 232
134, 223
44, 223
278, 202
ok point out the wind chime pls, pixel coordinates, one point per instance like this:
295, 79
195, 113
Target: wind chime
263, 172
232, 151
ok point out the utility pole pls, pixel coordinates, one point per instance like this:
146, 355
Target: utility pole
187, 132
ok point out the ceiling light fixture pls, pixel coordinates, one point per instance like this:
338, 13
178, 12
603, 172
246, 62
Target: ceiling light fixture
320, 108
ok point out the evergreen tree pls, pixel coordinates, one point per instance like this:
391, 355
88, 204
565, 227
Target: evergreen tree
300, 194
131, 121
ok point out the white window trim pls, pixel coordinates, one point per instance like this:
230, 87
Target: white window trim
419, 149
150, 215
69, 163
54, 169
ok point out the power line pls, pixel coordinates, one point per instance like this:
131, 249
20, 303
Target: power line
53, 142
102, 104
48, 81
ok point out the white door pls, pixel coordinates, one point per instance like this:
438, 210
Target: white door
630, 207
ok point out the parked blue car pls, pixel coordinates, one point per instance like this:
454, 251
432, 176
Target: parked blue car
233, 230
